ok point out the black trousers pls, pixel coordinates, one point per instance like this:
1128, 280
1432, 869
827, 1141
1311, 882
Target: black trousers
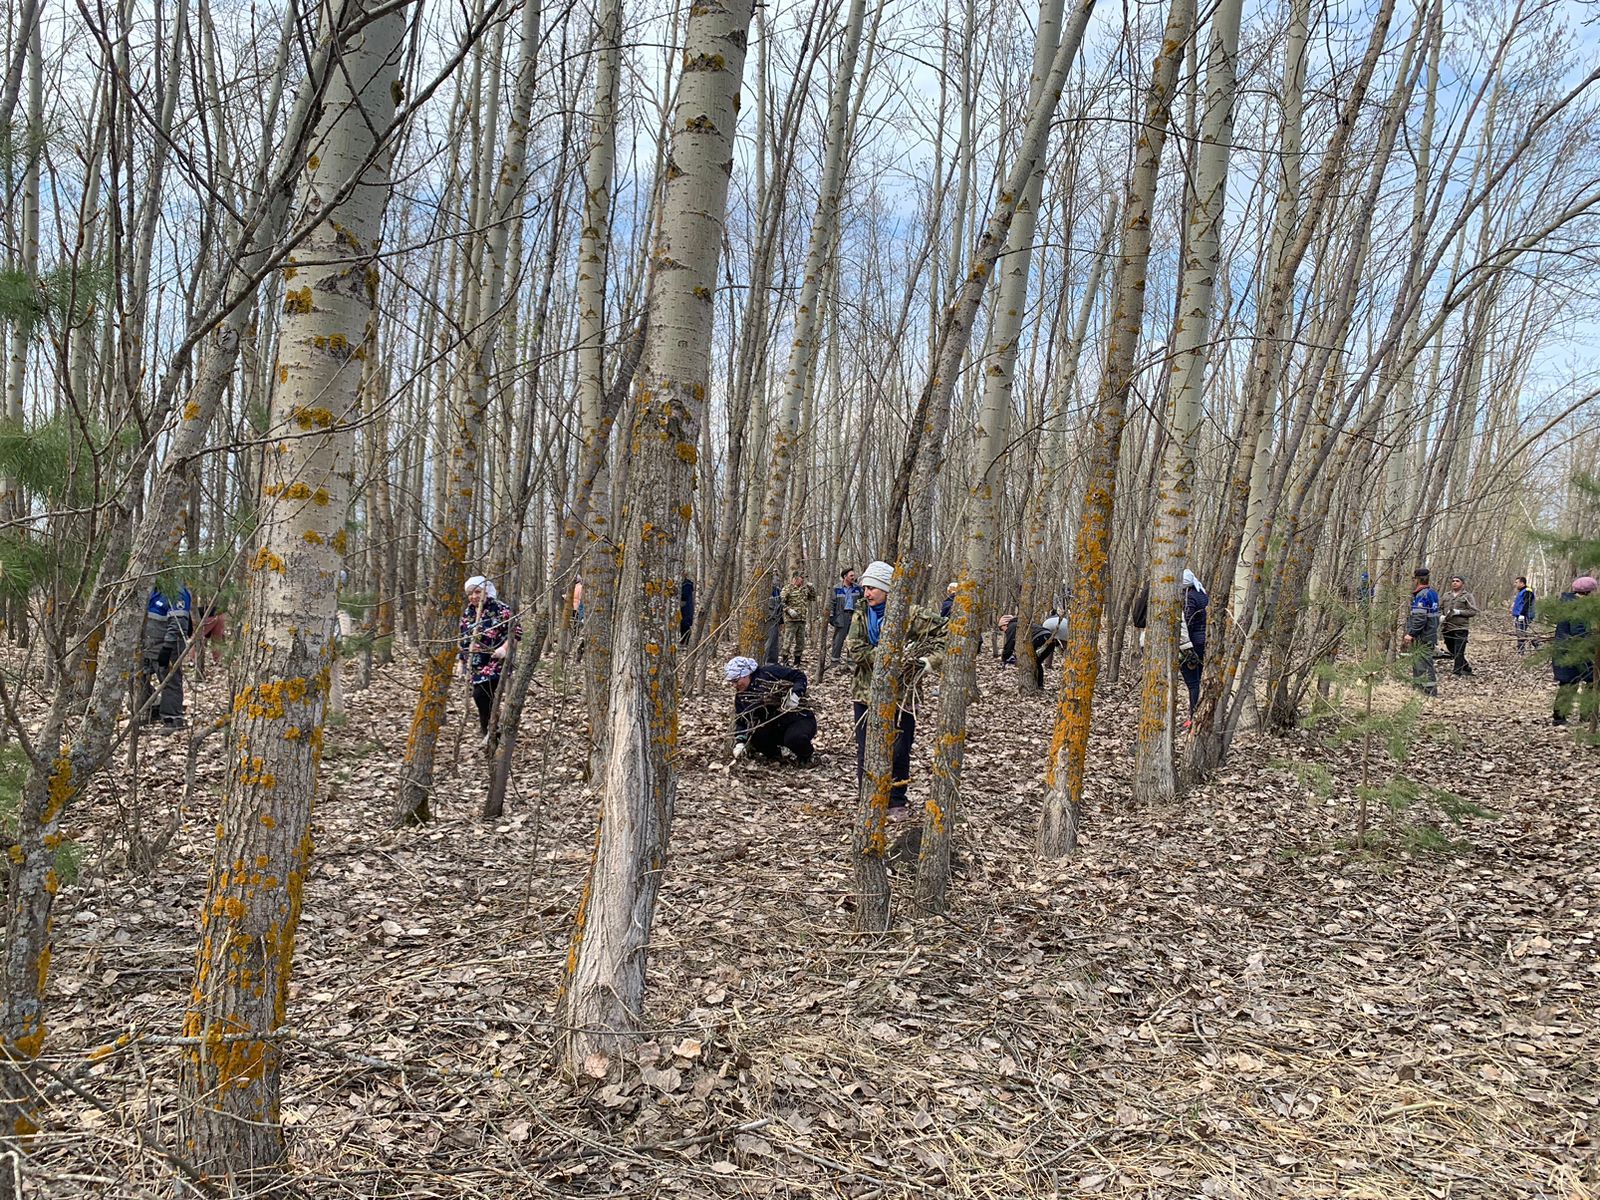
1191, 676
900, 759
1455, 641
794, 730
483, 697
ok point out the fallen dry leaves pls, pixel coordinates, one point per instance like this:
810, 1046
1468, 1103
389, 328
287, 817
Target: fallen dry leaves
1216, 999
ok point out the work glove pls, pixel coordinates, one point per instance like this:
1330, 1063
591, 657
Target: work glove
740, 748
791, 702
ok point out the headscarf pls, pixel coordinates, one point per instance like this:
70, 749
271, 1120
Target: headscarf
1584, 585
478, 581
1190, 580
738, 667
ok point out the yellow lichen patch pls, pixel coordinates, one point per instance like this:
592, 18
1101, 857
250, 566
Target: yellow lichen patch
266, 559
292, 734
687, 453
312, 537
339, 541
320, 497
297, 301
338, 343
310, 418
191, 411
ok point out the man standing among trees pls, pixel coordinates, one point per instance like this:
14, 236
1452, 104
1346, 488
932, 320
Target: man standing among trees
1422, 632
846, 596
1460, 607
1522, 612
797, 600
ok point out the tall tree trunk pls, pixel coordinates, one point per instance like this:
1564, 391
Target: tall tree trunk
1154, 777
1069, 749
803, 349
976, 568
604, 984
232, 1075
494, 216
873, 908
599, 551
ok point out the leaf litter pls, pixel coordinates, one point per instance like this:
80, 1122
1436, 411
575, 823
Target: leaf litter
1216, 998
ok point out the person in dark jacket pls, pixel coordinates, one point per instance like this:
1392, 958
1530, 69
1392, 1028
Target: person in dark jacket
842, 608
168, 626
1422, 633
770, 714
774, 624
949, 601
1572, 666
1522, 612
489, 630
1191, 631
1048, 637
685, 610
1192, 637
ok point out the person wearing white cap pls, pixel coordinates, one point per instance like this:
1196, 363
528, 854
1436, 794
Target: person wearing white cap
770, 714
488, 631
924, 652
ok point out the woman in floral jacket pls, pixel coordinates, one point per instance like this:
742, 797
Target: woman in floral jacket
488, 631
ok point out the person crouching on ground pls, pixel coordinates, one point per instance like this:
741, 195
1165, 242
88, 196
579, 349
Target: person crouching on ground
924, 652
488, 631
770, 715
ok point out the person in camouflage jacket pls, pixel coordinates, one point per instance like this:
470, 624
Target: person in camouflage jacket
925, 644
796, 601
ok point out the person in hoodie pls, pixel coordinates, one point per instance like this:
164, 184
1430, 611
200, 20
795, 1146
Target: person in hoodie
1422, 633
924, 653
771, 716
1522, 613
1573, 666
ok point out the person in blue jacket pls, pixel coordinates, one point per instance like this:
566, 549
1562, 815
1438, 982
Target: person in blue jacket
842, 610
1522, 612
1572, 666
1422, 632
168, 626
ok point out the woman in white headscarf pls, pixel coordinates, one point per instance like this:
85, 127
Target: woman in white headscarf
1192, 637
489, 629
770, 713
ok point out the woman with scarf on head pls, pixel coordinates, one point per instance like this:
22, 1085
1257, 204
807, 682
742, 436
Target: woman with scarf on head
924, 652
770, 713
489, 629
1192, 637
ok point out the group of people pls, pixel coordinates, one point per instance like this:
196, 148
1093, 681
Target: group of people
1431, 617
772, 714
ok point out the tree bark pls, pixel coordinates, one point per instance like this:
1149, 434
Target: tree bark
231, 1078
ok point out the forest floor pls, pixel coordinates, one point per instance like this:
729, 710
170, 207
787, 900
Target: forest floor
1215, 998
